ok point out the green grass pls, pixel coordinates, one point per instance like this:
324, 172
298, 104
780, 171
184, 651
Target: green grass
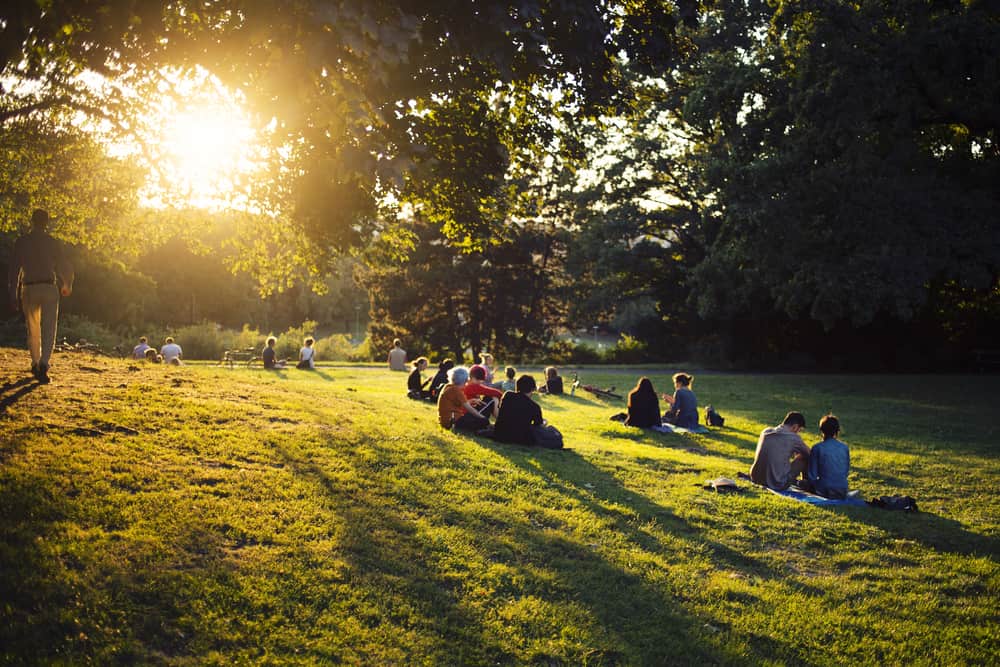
201, 515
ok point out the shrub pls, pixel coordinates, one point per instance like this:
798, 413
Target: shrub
627, 350
334, 348
76, 327
209, 340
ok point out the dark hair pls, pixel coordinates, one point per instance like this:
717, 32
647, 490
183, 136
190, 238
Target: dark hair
511, 372
446, 365
551, 372
684, 379
142, 339
477, 372
271, 340
39, 217
396, 342
309, 341
830, 426
645, 386
794, 419
416, 362
526, 384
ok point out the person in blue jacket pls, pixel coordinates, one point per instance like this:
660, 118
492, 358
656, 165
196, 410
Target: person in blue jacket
683, 410
829, 461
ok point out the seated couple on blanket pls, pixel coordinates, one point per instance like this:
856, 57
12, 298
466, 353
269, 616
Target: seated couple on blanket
782, 457
644, 407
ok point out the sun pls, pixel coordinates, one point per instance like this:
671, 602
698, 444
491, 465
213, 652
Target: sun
202, 146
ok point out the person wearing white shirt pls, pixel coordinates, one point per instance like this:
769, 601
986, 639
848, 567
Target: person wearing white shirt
307, 355
171, 352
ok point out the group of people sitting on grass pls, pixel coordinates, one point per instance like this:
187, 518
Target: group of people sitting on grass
467, 399
783, 459
643, 409
170, 353
307, 355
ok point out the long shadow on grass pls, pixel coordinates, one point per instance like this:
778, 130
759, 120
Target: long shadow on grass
681, 441
387, 556
23, 387
934, 532
635, 605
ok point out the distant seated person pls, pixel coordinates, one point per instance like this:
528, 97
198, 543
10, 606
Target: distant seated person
485, 397
643, 406
781, 455
486, 361
397, 356
152, 356
683, 410
553, 383
270, 357
509, 384
518, 413
440, 378
829, 462
416, 386
139, 351
454, 409
171, 351
307, 355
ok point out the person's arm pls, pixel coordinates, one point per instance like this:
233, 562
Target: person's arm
64, 270
669, 399
812, 472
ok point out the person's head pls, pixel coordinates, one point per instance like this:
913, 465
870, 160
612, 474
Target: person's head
420, 363
830, 426
551, 372
39, 218
682, 380
151, 355
794, 421
645, 386
396, 342
271, 341
526, 384
477, 374
458, 375
446, 365
487, 358
511, 372
169, 340
142, 339
310, 341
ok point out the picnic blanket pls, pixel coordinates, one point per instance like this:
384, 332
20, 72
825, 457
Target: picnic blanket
811, 498
670, 428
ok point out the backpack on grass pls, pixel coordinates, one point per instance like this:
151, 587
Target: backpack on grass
547, 436
713, 418
904, 503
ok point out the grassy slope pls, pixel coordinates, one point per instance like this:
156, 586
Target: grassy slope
202, 515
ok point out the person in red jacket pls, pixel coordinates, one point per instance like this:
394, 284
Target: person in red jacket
484, 397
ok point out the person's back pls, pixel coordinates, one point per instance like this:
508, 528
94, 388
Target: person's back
139, 351
776, 448
268, 357
686, 406
829, 461
518, 413
397, 357
643, 406
171, 352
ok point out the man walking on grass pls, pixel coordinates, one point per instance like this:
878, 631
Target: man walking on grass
781, 455
39, 273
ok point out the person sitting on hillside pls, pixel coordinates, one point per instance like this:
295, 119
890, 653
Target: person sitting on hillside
397, 356
683, 410
171, 352
553, 383
139, 351
781, 454
517, 414
454, 409
415, 384
486, 361
477, 389
152, 356
829, 461
440, 378
270, 357
307, 355
509, 384
643, 406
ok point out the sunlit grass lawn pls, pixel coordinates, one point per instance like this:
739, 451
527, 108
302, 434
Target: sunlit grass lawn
203, 515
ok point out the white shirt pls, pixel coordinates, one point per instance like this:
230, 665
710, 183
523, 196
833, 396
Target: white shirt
397, 359
170, 351
308, 354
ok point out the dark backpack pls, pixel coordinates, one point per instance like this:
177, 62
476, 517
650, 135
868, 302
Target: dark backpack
905, 503
713, 418
547, 436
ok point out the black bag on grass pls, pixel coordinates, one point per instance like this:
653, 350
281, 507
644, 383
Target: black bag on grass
904, 503
547, 436
713, 418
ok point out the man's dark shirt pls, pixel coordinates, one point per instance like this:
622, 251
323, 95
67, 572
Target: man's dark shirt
518, 413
